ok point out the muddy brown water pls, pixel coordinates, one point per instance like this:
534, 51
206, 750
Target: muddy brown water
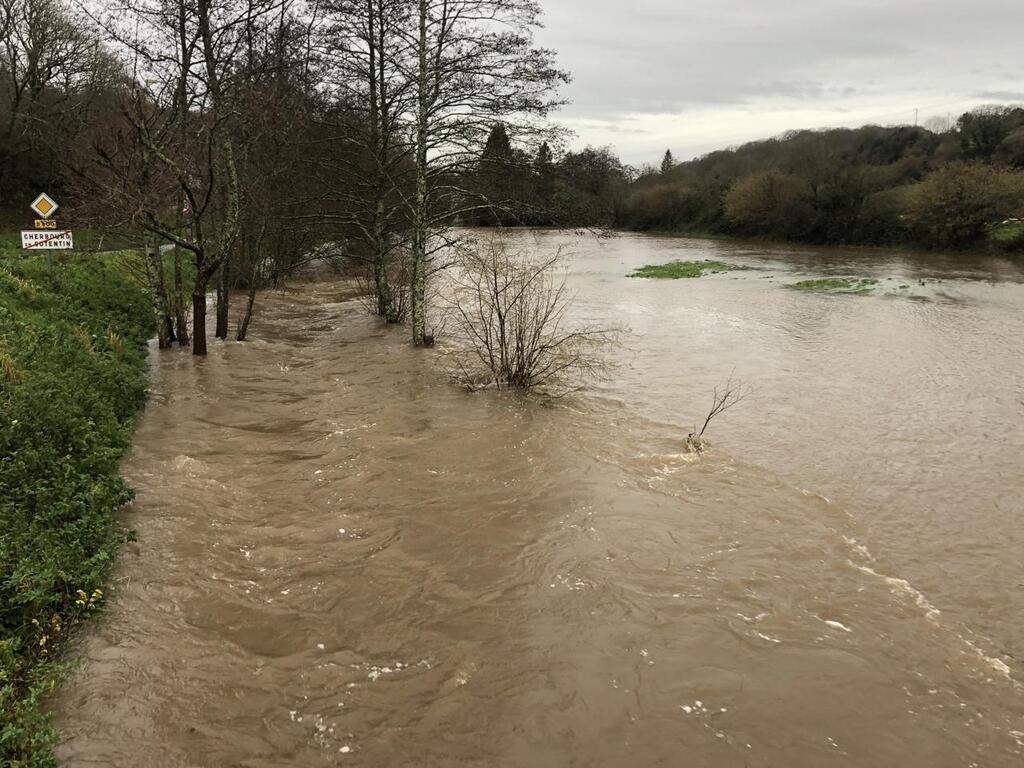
344, 560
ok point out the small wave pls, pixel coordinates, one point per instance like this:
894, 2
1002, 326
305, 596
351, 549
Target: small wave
998, 665
836, 624
897, 585
902, 586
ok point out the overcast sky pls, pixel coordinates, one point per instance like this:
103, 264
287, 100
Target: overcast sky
697, 75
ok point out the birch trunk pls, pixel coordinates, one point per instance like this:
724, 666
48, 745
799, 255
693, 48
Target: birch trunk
155, 273
180, 319
419, 239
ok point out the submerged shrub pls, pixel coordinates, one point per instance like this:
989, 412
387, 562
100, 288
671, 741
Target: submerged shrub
511, 314
838, 284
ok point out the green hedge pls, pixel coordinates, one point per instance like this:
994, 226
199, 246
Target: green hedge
72, 376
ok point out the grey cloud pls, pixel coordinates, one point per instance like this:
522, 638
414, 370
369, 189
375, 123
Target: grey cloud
1000, 95
674, 56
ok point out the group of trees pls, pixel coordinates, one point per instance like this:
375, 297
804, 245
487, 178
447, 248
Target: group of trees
943, 188
251, 135
586, 188
872, 185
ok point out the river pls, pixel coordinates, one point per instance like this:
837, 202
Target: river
342, 559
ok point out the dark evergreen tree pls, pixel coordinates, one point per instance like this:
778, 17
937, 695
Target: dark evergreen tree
495, 178
667, 163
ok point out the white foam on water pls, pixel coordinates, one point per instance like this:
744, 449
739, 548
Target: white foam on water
902, 586
753, 619
573, 583
375, 671
858, 547
997, 665
836, 624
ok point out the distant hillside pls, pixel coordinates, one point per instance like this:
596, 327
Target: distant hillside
869, 185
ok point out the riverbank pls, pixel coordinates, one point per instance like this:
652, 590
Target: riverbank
72, 377
1004, 240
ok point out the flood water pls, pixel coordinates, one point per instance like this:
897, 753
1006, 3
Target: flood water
342, 559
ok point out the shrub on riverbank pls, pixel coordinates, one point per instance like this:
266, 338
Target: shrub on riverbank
72, 375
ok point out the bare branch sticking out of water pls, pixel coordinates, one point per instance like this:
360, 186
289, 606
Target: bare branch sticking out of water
725, 396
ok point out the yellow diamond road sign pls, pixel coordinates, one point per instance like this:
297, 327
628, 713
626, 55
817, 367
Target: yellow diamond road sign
44, 205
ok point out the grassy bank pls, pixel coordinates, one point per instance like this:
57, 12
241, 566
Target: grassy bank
72, 376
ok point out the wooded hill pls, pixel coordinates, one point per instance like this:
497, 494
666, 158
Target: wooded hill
872, 185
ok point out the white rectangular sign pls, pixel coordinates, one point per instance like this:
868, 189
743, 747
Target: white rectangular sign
40, 239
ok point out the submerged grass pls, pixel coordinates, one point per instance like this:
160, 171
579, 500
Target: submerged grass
1009, 235
838, 285
72, 375
674, 270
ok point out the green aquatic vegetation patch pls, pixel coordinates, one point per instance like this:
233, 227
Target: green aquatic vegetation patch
72, 376
838, 285
674, 270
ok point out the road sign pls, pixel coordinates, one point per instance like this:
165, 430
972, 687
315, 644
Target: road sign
46, 223
46, 239
44, 205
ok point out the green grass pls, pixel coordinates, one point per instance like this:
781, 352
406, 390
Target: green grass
838, 285
1008, 236
678, 269
72, 376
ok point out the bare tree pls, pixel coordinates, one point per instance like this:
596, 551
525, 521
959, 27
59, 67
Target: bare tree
179, 100
731, 393
366, 51
53, 72
512, 329
473, 63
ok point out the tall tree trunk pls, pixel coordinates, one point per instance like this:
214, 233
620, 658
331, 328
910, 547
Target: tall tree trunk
210, 261
199, 320
243, 327
377, 79
386, 307
155, 273
222, 300
187, 228
419, 240
181, 321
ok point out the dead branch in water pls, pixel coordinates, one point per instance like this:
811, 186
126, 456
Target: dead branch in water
731, 393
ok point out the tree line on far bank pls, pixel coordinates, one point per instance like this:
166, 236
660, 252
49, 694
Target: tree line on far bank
953, 187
